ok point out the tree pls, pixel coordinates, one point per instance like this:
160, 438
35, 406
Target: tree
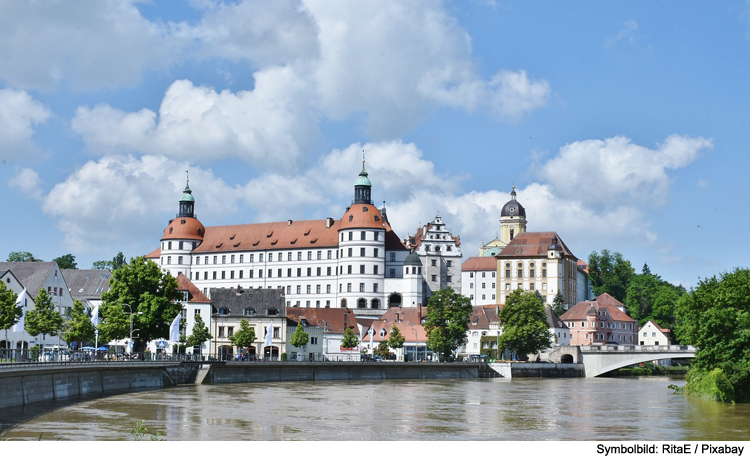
22, 256
382, 350
199, 334
80, 327
67, 261
715, 318
145, 288
245, 336
610, 273
300, 337
44, 319
350, 339
396, 340
558, 304
117, 262
524, 324
447, 321
10, 312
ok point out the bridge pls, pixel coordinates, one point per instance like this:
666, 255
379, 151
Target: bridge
599, 359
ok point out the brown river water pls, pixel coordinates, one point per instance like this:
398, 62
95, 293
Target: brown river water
631, 409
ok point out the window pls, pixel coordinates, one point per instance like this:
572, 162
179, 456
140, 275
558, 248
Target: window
197, 260
214, 274
471, 274
393, 257
260, 273
348, 287
231, 274
349, 252
221, 332
179, 259
299, 272
260, 257
362, 235
377, 236
328, 288
276, 332
375, 287
317, 288
520, 270
299, 289
169, 259
433, 262
288, 272
278, 273
309, 255
434, 278
392, 273
231, 259
288, 289
350, 233
309, 287
270, 273
448, 263
361, 287
483, 274
318, 271
309, 271
375, 252
348, 269
361, 252
329, 254
362, 269
328, 271
375, 270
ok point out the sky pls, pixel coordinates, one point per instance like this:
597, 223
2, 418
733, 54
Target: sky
622, 125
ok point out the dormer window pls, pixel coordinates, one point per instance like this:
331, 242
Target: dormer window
273, 312
249, 311
223, 311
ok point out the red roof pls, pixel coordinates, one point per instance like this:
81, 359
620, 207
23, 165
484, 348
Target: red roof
332, 319
479, 263
184, 228
194, 293
603, 302
533, 244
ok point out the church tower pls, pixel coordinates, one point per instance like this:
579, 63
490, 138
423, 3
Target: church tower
181, 236
512, 219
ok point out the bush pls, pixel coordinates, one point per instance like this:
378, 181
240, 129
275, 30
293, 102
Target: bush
713, 385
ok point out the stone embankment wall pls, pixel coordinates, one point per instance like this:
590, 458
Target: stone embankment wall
237, 372
29, 384
539, 370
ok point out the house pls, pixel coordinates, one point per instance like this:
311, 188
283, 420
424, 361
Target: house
558, 330
34, 276
479, 280
354, 262
440, 254
599, 322
653, 334
87, 286
263, 308
483, 333
313, 351
333, 322
195, 304
410, 324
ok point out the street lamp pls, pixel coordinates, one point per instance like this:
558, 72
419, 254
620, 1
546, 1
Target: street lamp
416, 353
130, 339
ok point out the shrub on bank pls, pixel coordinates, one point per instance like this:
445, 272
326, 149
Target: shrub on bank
713, 385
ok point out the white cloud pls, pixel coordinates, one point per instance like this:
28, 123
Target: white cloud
87, 44
19, 113
624, 34
270, 126
614, 171
28, 181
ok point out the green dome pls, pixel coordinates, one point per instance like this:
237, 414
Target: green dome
412, 259
363, 180
187, 195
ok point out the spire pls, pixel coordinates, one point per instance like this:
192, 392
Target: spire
513, 192
362, 186
187, 201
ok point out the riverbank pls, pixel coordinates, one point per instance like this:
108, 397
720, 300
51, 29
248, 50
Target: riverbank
649, 369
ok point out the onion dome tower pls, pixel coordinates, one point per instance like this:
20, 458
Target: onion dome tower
181, 236
362, 257
512, 219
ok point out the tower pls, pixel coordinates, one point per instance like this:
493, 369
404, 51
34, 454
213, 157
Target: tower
512, 219
181, 236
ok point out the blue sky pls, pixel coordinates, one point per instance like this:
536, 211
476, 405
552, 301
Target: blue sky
621, 124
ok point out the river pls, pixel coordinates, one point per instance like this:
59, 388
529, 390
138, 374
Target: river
641, 409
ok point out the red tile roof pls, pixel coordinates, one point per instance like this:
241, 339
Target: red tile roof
602, 302
194, 294
533, 244
408, 320
332, 318
479, 263
184, 228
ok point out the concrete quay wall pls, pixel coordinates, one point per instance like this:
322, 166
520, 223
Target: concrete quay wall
30, 384
539, 370
237, 372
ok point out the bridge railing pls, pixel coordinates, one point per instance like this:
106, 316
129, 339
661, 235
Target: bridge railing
638, 348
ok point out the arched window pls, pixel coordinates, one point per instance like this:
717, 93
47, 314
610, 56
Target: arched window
343, 303
394, 300
375, 304
361, 303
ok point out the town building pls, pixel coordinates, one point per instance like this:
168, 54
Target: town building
538, 261
599, 322
440, 254
653, 334
354, 262
87, 286
313, 350
559, 331
479, 280
333, 322
263, 308
34, 276
410, 322
483, 333
194, 305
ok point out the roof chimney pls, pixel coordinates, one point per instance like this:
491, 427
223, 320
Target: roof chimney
329, 222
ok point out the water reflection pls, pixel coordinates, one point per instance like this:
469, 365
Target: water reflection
488, 409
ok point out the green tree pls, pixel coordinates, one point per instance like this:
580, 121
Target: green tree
145, 288
199, 334
610, 273
350, 339
640, 296
524, 324
22, 256
299, 337
382, 350
44, 319
447, 321
558, 304
245, 336
10, 312
117, 262
80, 328
396, 340
67, 261
715, 318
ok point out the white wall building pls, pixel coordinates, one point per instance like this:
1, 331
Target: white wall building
479, 280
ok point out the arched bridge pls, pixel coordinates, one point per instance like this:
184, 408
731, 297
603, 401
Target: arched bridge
600, 359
